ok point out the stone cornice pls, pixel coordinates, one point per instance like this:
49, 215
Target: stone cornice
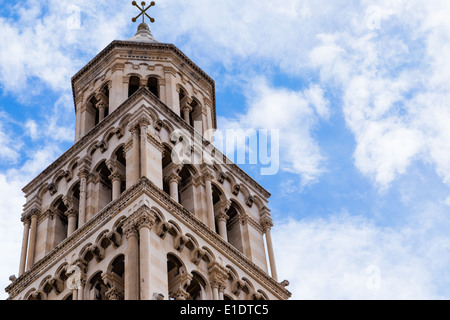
113, 209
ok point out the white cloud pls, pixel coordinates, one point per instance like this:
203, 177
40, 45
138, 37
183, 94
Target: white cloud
295, 114
345, 257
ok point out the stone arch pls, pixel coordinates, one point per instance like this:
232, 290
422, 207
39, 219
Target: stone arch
134, 83
96, 287
198, 288
153, 84
178, 278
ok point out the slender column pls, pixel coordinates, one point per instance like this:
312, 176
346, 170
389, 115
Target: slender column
222, 218
116, 179
133, 166
83, 197
72, 221
145, 223
267, 225
143, 123
208, 177
221, 292
218, 276
173, 180
186, 113
101, 111
215, 290
23, 256
32, 245
131, 262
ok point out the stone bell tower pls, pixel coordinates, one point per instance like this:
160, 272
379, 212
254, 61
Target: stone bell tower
143, 206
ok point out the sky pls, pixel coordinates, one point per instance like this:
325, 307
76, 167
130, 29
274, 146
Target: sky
358, 90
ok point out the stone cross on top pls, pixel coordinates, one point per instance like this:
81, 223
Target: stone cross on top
143, 11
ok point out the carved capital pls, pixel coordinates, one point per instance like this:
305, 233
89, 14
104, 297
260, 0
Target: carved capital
173, 177
218, 275
130, 229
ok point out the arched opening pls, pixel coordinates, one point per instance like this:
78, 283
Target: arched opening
119, 155
134, 85
97, 288
182, 96
234, 231
153, 86
114, 279
104, 93
103, 186
196, 289
216, 195
166, 161
196, 116
60, 221
186, 188
177, 278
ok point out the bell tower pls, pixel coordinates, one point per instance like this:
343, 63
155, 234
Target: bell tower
143, 206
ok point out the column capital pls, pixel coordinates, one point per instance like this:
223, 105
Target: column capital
115, 176
218, 276
207, 175
71, 213
144, 122
145, 220
130, 229
173, 177
222, 216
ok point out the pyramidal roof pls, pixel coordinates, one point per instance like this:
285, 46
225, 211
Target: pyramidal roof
143, 34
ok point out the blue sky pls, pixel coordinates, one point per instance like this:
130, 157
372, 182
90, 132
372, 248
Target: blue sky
358, 89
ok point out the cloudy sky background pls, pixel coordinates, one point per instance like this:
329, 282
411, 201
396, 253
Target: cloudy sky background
358, 89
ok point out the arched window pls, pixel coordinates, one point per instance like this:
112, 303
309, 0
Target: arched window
186, 188
196, 289
97, 288
153, 86
60, 221
196, 116
134, 85
176, 276
104, 186
234, 226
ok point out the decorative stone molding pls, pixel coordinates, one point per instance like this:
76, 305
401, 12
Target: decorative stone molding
197, 255
218, 276
129, 228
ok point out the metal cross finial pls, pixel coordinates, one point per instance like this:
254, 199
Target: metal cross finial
143, 11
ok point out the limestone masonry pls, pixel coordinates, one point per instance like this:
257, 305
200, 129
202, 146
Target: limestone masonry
119, 217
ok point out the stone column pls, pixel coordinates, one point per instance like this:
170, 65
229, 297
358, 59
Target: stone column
116, 180
83, 174
208, 178
131, 262
101, 111
32, 245
143, 124
132, 157
186, 113
218, 276
23, 256
145, 223
222, 218
174, 179
267, 225
72, 221
215, 290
